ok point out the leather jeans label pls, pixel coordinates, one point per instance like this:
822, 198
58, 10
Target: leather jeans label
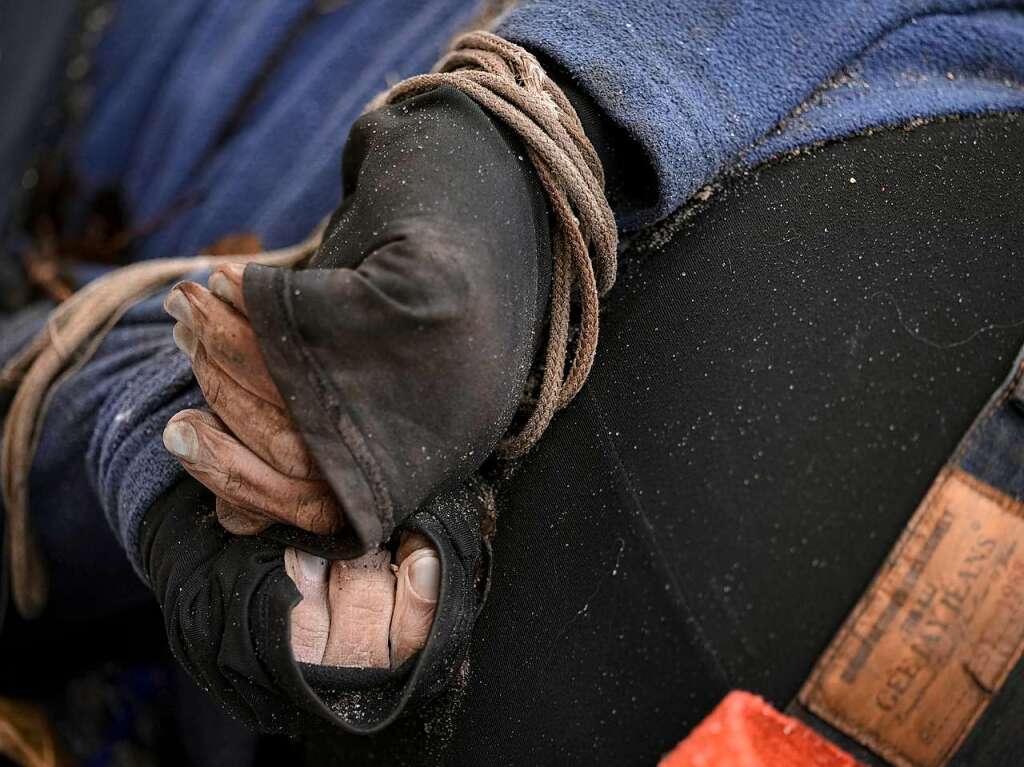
937, 633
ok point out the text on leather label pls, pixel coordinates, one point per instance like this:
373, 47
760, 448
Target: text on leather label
936, 634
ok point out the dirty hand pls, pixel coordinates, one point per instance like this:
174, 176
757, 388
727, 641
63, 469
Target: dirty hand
247, 450
362, 612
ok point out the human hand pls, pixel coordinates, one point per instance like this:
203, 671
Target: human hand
247, 450
362, 612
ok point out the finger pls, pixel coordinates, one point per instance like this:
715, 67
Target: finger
259, 425
226, 284
311, 618
239, 476
362, 597
416, 594
226, 335
239, 521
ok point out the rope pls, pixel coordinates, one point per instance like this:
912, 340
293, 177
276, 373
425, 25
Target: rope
70, 337
510, 83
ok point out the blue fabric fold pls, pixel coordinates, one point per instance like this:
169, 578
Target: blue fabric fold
278, 174
100, 463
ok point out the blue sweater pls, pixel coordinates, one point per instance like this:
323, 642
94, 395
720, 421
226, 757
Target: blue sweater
706, 86
703, 87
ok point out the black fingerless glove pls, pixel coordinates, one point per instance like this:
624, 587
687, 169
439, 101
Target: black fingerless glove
227, 602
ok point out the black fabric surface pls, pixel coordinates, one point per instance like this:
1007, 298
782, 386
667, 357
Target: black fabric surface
403, 350
782, 372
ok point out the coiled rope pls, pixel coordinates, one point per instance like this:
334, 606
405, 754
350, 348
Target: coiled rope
509, 82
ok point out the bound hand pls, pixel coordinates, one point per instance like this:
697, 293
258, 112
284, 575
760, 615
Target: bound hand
364, 612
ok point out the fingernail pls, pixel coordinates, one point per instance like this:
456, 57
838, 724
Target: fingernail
239, 521
220, 286
425, 577
185, 339
180, 438
314, 568
178, 307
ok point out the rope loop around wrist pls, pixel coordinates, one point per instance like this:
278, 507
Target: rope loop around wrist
509, 82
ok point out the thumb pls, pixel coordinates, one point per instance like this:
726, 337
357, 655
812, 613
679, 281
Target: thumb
419, 583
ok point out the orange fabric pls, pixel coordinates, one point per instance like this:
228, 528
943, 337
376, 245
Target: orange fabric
745, 731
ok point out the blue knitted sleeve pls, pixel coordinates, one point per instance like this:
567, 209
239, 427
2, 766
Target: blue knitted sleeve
100, 456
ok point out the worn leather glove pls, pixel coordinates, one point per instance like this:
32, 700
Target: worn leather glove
402, 351
360, 612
